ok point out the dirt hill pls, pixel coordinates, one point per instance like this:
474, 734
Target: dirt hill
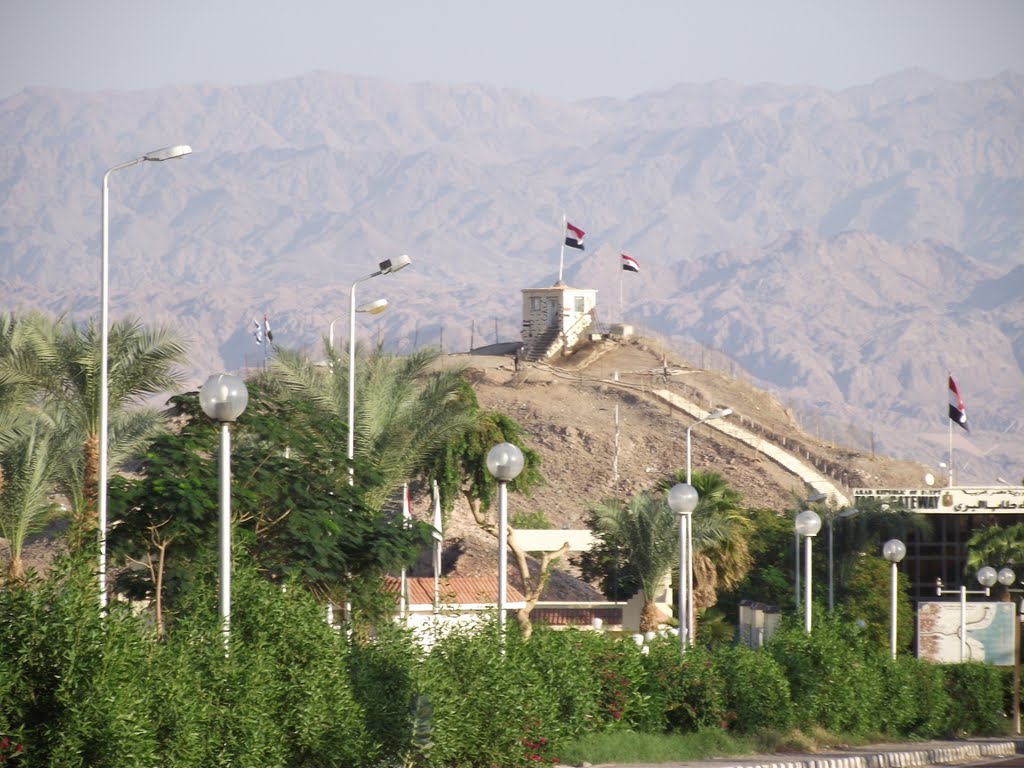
567, 408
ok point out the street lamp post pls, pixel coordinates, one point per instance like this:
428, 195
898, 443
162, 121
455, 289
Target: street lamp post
223, 398
688, 519
986, 577
157, 155
384, 268
807, 525
1006, 577
504, 462
682, 499
894, 551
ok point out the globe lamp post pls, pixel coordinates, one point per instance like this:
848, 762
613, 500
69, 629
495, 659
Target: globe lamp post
682, 499
808, 523
504, 462
894, 551
223, 398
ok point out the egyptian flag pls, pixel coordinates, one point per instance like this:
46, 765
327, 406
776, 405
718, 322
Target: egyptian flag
573, 236
258, 332
629, 264
266, 329
957, 412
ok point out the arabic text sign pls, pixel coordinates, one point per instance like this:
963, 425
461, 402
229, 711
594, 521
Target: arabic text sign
956, 500
989, 632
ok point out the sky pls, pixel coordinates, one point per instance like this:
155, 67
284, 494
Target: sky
567, 49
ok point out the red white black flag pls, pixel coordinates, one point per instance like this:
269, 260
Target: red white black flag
957, 412
629, 264
266, 329
258, 331
574, 236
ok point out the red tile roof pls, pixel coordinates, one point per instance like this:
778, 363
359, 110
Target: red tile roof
461, 590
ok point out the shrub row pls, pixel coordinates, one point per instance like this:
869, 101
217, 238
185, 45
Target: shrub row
77, 690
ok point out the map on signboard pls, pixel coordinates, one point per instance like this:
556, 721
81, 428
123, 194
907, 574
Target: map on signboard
989, 637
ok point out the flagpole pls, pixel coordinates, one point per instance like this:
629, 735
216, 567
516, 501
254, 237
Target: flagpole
622, 318
950, 453
561, 254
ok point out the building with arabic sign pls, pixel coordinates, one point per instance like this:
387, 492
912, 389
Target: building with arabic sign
955, 513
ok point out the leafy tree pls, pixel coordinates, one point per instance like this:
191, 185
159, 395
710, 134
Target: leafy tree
721, 557
770, 577
295, 512
867, 603
461, 469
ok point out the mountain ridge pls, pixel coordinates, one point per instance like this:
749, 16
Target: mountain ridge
822, 239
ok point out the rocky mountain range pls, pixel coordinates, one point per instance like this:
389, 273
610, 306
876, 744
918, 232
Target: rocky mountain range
843, 249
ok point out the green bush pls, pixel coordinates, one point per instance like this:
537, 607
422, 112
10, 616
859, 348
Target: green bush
756, 689
978, 692
918, 703
624, 692
832, 682
487, 707
564, 659
80, 680
80, 690
687, 687
382, 676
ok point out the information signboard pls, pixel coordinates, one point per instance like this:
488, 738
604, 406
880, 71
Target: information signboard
989, 636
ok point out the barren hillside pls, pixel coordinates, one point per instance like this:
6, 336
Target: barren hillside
568, 411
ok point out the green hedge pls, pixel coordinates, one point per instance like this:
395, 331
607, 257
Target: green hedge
76, 690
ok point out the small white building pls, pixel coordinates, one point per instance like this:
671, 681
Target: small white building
556, 318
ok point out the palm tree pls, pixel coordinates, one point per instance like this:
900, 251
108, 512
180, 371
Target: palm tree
646, 531
996, 546
721, 556
28, 465
407, 407
60, 365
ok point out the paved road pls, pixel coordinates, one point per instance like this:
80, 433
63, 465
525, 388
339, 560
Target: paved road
998, 753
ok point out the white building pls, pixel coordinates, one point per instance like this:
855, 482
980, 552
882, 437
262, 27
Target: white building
555, 319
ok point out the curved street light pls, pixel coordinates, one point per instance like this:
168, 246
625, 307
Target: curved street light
157, 155
384, 268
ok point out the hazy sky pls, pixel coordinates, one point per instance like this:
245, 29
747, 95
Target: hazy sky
567, 49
